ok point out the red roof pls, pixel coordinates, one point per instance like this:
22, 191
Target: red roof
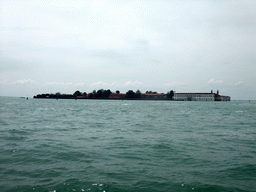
151, 94
117, 95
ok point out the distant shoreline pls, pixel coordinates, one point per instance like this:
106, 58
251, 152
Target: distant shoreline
131, 95
74, 98
109, 95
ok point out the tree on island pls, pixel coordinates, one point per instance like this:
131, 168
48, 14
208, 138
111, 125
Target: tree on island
84, 94
77, 93
101, 93
138, 94
151, 92
106, 93
130, 94
170, 94
58, 94
90, 96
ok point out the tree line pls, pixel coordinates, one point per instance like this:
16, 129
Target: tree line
101, 94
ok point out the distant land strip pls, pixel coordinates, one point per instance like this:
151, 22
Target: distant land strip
131, 95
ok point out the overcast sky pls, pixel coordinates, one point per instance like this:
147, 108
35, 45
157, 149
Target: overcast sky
159, 45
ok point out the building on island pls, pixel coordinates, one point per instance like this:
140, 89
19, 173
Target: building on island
117, 96
143, 96
200, 97
152, 96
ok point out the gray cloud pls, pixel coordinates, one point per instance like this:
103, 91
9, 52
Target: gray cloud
186, 45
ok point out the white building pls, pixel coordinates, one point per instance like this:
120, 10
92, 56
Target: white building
200, 97
222, 98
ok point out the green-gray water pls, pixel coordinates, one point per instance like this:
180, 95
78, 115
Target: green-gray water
103, 145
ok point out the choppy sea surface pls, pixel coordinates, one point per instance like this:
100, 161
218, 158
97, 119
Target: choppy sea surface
105, 145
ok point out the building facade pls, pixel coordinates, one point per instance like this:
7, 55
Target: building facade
152, 96
200, 97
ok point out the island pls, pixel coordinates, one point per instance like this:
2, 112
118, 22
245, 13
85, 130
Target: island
131, 95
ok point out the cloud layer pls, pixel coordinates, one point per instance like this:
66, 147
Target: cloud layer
155, 45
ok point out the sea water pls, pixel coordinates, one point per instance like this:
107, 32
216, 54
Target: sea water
113, 145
